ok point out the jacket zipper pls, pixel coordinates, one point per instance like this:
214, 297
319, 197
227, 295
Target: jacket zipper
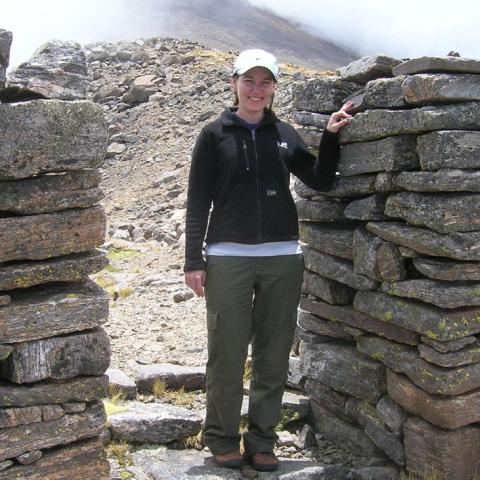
258, 186
245, 154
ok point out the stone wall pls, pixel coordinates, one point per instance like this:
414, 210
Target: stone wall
392, 287
53, 351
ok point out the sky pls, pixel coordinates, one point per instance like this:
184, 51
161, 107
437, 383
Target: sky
402, 29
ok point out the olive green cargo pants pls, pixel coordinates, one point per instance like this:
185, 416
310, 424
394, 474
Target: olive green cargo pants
249, 299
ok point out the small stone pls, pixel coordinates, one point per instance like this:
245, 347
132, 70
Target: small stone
29, 457
183, 296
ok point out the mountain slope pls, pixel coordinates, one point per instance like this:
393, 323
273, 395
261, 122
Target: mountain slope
237, 25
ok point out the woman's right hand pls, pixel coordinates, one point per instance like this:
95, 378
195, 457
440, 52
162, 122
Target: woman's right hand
196, 281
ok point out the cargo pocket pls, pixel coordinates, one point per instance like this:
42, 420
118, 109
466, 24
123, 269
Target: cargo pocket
212, 320
214, 341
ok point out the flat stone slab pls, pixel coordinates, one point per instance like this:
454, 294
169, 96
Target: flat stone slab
453, 454
376, 124
445, 269
447, 149
58, 357
162, 463
458, 245
326, 210
425, 88
121, 382
35, 237
320, 326
333, 239
431, 378
369, 419
51, 193
368, 68
437, 64
384, 93
444, 412
78, 389
446, 180
324, 94
354, 186
48, 310
444, 213
66, 429
80, 460
344, 369
61, 136
450, 345
58, 69
390, 262
391, 414
70, 268
174, 376
341, 432
441, 294
353, 318
327, 289
153, 423
369, 208
365, 246
391, 154
465, 356
428, 320
310, 119
335, 268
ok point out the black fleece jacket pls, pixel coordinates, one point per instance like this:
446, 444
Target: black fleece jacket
246, 175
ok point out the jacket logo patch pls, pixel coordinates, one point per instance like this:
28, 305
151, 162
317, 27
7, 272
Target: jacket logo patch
282, 144
271, 193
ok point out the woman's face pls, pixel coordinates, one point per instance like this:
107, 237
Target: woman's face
254, 89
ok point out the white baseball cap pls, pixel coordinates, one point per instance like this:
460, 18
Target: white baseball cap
255, 58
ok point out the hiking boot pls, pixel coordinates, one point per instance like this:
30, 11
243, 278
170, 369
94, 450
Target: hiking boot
264, 462
229, 460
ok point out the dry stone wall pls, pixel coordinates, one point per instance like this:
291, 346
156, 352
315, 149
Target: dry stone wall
53, 350
392, 287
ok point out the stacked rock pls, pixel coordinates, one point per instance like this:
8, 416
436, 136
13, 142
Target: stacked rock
392, 286
53, 352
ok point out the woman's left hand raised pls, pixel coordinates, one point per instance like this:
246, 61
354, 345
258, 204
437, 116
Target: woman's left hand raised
339, 119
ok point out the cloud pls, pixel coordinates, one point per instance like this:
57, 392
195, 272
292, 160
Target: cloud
33, 22
407, 28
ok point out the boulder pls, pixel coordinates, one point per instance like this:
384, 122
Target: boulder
442, 212
344, 369
120, 382
426, 88
153, 423
57, 70
58, 357
174, 376
449, 148
333, 239
376, 124
444, 412
82, 460
391, 154
457, 245
445, 180
451, 454
53, 309
428, 320
36, 237
61, 137
368, 68
69, 268
437, 64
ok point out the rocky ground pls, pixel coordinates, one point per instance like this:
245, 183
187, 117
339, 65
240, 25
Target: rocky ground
157, 94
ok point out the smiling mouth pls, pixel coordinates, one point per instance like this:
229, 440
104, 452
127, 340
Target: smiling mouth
256, 99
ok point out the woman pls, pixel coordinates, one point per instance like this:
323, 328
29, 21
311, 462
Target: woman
253, 271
